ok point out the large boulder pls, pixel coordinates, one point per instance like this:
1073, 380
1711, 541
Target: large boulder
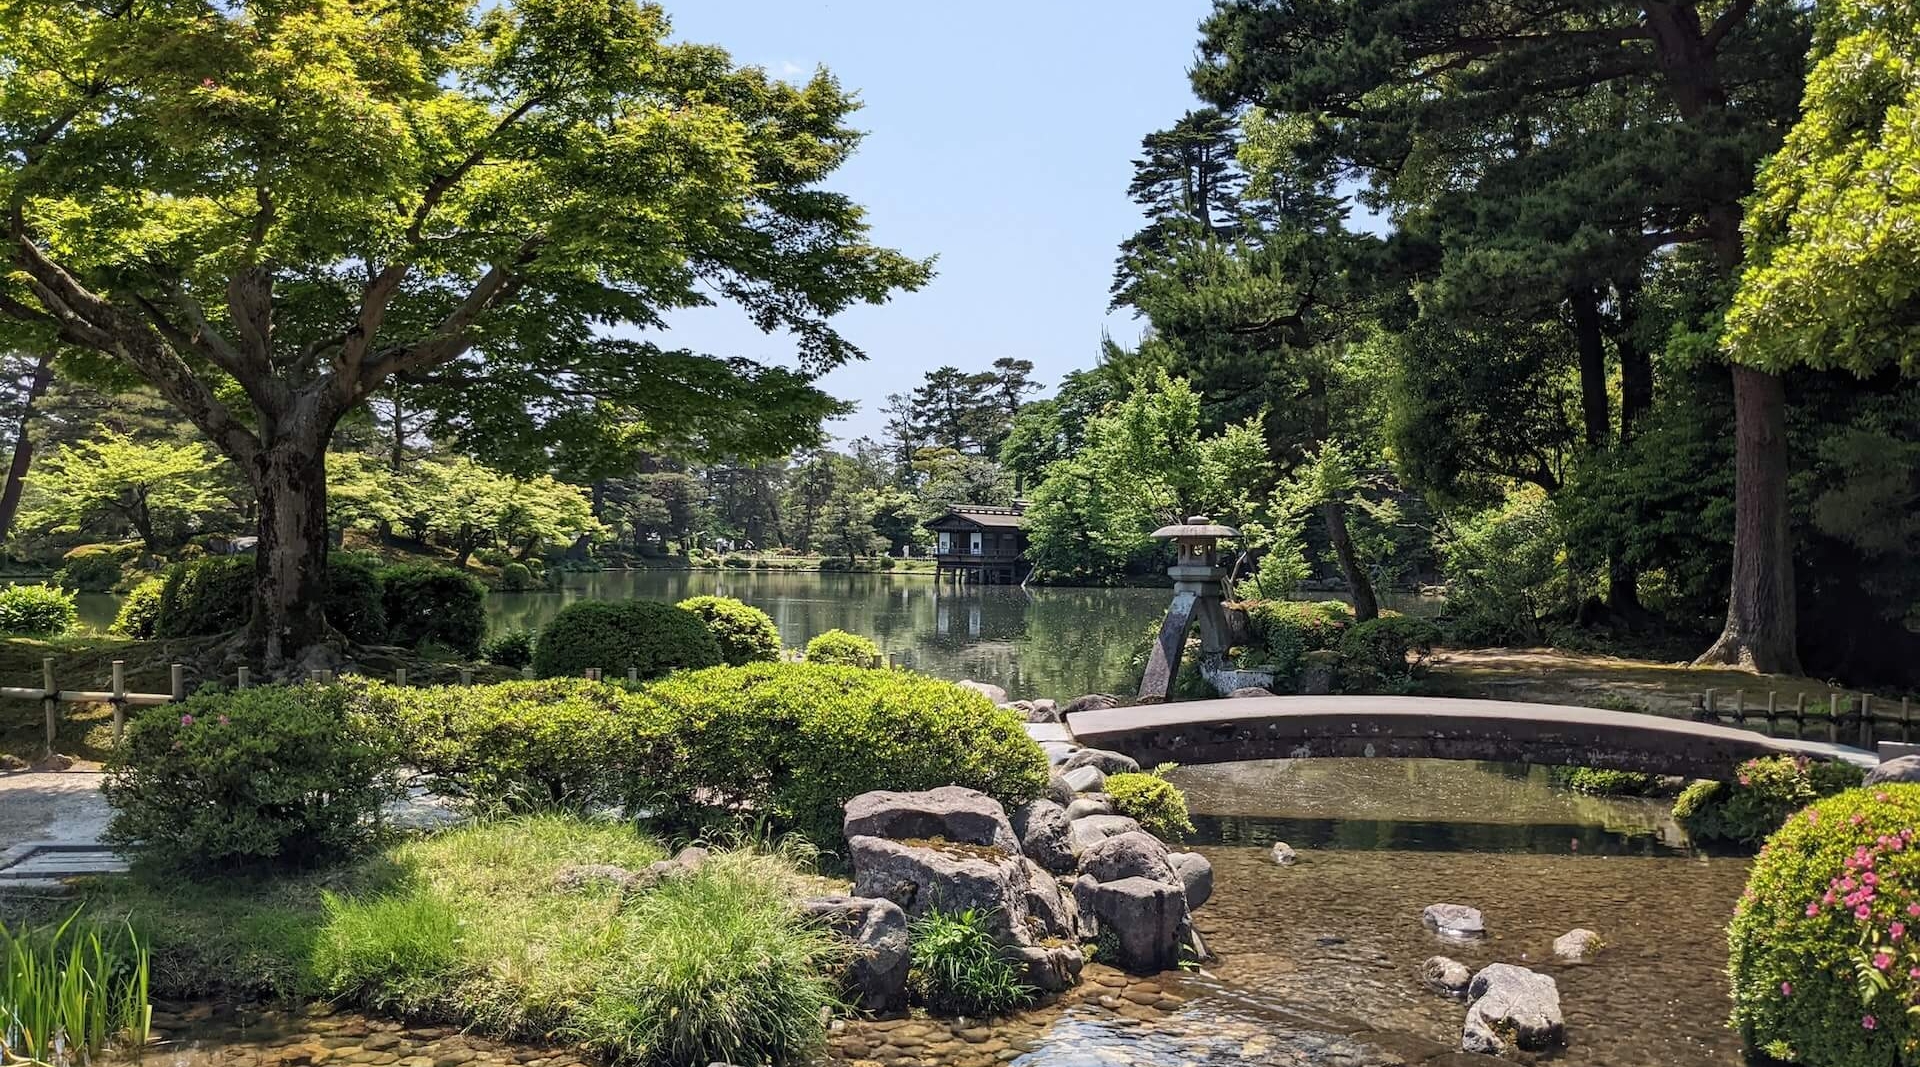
1196, 874
1090, 831
1133, 854
1904, 769
991, 692
1085, 779
1090, 702
1109, 762
1058, 752
949, 813
875, 976
1144, 921
1512, 1007
1043, 827
1456, 921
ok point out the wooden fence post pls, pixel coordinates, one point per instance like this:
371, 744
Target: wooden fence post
633, 674
1706, 702
1906, 720
527, 672
1740, 706
119, 700
399, 676
49, 702
1833, 718
243, 678
1867, 732
466, 676
177, 680
1773, 710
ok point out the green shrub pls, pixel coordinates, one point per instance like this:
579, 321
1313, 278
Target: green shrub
745, 633
1764, 792
426, 604
795, 741
140, 611
94, 568
517, 577
1378, 650
36, 611
513, 648
210, 595
842, 649
615, 635
1504, 571
1284, 631
1150, 800
355, 603
515, 746
958, 969
1600, 782
275, 775
1821, 948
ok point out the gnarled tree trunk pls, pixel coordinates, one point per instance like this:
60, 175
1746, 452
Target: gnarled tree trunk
23, 445
289, 477
1760, 633
1365, 604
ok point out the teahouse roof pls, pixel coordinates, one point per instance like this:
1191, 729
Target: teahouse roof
982, 515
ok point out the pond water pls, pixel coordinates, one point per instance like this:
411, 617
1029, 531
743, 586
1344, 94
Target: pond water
1316, 962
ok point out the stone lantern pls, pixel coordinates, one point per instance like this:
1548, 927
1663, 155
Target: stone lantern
1198, 597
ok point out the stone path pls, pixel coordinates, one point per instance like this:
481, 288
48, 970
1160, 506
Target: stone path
50, 827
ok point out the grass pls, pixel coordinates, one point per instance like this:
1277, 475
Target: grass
71, 990
467, 927
958, 968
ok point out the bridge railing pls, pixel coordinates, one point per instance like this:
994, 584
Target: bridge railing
1850, 718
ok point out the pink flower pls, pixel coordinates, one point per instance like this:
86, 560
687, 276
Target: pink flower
1812, 910
186, 720
1813, 816
1862, 913
1881, 797
1914, 910
224, 720
1786, 989
1745, 780
1869, 1022
1897, 931
1882, 961
1856, 818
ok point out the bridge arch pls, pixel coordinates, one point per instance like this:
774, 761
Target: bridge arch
1296, 727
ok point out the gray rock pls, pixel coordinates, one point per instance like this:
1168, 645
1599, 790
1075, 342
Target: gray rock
577, 876
1052, 912
875, 977
1134, 854
1904, 769
1049, 968
1091, 702
1512, 1007
1058, 791
691, 858
1577, 946
1284, 855
1449, 976
1147, 921
1454, 920
1058, 752
1195, 873
1247, 691
1043, 828
1090, 831
991, 692
1084, 888
1091, 804
1319, 671
949, 813
1046, 714
1108, 762
1085, 779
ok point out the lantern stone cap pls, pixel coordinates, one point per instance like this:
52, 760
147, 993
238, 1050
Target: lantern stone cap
1195, 526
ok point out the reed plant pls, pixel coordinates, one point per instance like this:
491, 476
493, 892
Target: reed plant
71, 991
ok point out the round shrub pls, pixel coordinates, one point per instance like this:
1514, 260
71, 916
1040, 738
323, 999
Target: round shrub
36, 611
1150, 800
514, 648
1307, 626
94, 568
796, 741
356, 599
1379, 650
517, 577
614, 635
272, 775
211, 595
1821, 947
745, 633
140, 611
429, 605
842, 649
1763, 793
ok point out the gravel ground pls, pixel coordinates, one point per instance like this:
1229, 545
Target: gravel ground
51, 806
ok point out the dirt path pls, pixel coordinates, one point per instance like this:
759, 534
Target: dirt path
51, 806
1551, 676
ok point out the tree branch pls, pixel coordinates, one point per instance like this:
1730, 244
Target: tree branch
1734, 15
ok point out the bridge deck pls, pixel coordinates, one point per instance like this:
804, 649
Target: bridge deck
1294, 727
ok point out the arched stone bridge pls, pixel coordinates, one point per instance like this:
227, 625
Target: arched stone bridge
1295, 727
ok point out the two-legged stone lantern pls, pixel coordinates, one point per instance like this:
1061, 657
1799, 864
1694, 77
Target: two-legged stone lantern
1198, 596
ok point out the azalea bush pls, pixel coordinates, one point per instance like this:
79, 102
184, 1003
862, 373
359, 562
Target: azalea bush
615, 636
1763, 793
1822, 957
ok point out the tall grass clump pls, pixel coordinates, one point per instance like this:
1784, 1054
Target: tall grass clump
71, 991
958, 969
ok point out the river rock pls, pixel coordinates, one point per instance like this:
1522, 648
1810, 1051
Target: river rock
1284, 855
1042, 711
1147, 921
1247, 692
1134, 854
1055, 911
1195, 873
1090, 804
1043, 828
1085, 779
875, 978
991, 692
1577, 946
949, 813
1904, 769
1109, 762
1454, 920
1058, 791
1449, 976
1091, 702
1090, 831
1512, 1007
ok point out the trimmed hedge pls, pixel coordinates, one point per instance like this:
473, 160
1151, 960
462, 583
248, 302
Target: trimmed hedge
140, 611
1391, 649
95, 568
356, 598
745, 633
408, 605
615, 635
838, 648
1821, 949
430, 605
1763, 793
207, 596
513, 648
36, 611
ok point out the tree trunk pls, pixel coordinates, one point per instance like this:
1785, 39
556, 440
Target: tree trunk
1590, 336
1761, 633
1636, 365
1365, 604
23, 446
290, 563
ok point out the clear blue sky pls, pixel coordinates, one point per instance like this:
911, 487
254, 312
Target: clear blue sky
1000, 137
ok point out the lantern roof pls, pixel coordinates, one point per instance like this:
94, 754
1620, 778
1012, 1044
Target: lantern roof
1195, 526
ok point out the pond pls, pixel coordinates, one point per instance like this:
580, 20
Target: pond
1316, 962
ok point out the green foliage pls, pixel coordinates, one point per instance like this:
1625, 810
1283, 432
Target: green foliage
36, 611
396, 952
74, 988
139, 614
157, 489
211, 595
1760, 798
1503, 571
1388, 650
838, 648
1597, 781
356, 604
614, 636
466, 505
426, 604
265, 776
1155, 803
958, 967
513, 648
1282, 567
1286, 630
517, 577
94, 568
1820, 952
745, 633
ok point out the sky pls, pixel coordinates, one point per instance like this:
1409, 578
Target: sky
1000, 138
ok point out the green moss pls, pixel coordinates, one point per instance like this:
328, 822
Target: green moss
1600, 782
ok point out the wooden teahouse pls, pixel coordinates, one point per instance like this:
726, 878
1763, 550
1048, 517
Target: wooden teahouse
978, 543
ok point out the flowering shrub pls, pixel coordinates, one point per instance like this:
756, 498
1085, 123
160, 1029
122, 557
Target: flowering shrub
1763, 793
839, 648
745, 633
1825, 971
